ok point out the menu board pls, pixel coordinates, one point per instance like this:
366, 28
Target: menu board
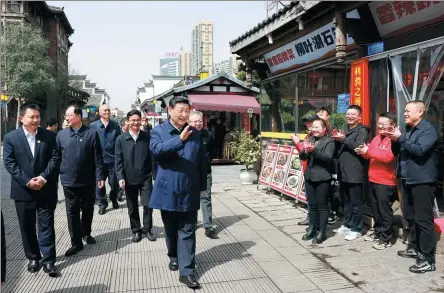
294, 179
268, 164
301, 196
281, 167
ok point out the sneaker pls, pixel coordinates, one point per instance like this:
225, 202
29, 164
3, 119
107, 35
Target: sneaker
332, 218
342, 230
371, 237
381, 245
408, 253
352, 235
422, 266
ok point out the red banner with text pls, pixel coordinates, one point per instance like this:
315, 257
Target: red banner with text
359, 88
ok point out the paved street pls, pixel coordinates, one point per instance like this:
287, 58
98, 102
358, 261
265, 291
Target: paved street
259, 250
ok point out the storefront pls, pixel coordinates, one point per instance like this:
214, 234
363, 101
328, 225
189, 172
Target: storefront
226, 104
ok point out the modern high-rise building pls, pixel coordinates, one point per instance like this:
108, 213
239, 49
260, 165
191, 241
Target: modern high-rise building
184, 62
202, 47
169, 65
229, 66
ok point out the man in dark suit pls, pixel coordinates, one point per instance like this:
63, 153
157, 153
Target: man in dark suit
134, 173
181, 177
196, 121
81, 163
108, 131
30, 156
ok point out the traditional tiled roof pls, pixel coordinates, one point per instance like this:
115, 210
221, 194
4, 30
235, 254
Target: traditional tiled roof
64, 19
265, 22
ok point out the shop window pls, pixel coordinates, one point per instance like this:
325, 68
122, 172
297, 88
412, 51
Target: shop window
379, 82
278, 105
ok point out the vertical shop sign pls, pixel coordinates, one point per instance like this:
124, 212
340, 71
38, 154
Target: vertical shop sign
246, 121
359, 88
268, 164
343, 102
281, 167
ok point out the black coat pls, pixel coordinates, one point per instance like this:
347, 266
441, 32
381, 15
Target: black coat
319, 167
352, 167
208, 142
82, 157
133, 161
22, 166
417, 151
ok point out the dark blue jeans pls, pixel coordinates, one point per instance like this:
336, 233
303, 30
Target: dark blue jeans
112, 180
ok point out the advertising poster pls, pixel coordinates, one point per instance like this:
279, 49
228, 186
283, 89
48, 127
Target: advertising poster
268, 164
294, 175
301, 195
281, 167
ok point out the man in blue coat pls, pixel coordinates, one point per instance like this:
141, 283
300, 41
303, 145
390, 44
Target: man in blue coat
30, 156
181, 178
108, 131
80, 168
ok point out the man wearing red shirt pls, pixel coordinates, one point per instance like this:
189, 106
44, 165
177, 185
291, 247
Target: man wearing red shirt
383, 181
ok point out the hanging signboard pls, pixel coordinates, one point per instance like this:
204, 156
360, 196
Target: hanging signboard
294, 175
393, 18
281, 167
268, 164
359, 88
317, 45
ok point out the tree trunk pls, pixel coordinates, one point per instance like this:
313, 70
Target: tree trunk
17, 123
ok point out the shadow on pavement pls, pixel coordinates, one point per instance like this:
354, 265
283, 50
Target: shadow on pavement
227, 221
215, 256
97, 288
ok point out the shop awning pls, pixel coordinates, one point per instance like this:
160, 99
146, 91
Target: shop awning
224, 103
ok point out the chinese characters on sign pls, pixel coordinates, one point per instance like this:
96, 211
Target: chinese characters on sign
359, 90
172, 54
396, 17
313, 46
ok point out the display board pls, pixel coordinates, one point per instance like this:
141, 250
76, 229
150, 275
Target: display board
281, 167
268, 164
294, 177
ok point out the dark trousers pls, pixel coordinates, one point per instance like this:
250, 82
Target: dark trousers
353, 200
112, 180
334, 199
132, 196
29, 214
381, 205
180, 236
206, 206
317, 193
418, 203
79, 199
3, 256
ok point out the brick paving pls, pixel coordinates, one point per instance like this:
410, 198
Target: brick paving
259, 250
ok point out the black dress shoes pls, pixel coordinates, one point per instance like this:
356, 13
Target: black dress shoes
305, 222
33, 266
115, 205
149, 235
73, 250
51, 270
211, 233
136, 237
173, 266
311, 233
190, 281
102, 211
89, 239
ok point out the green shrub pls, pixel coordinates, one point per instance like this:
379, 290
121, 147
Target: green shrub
245, 149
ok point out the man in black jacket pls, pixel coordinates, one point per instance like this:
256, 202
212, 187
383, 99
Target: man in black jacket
30, 156
81, 165
352, 173
196, 120
418, 170
134, 172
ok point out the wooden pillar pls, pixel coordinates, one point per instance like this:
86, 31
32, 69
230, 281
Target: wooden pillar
341, 36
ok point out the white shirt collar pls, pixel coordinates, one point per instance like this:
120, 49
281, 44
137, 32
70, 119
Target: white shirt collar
28, 133
105, 123
135, 136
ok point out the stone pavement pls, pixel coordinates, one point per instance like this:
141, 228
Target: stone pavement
259, 250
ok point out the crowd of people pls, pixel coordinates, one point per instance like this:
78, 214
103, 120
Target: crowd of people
392, 156
168, 167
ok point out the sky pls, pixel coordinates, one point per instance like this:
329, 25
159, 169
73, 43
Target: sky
118, 44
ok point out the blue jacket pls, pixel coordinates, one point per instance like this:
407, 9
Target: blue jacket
181, 169
107, 137
417, 152
81, 154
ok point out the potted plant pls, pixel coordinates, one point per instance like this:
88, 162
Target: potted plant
246, 151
